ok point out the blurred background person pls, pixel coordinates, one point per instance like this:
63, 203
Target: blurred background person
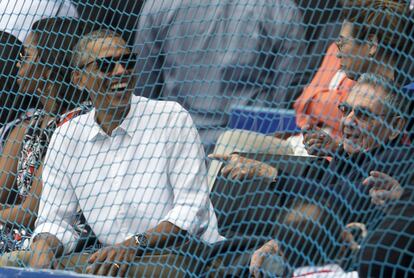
17, 17
212, 55
120, 16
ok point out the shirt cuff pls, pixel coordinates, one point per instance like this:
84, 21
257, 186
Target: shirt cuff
66, 236
194, 221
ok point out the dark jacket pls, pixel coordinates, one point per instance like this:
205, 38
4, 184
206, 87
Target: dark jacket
341, 198
389, 247
344, 189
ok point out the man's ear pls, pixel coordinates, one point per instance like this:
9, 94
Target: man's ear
397, 126
373, 45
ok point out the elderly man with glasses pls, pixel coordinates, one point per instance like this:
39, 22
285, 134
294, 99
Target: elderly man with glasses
314, 213
134, 166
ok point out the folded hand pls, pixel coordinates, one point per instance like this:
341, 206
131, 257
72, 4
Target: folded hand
113, 260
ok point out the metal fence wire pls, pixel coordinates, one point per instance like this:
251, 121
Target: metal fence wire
206, 138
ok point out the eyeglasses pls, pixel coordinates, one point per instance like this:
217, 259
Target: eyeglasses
107, 64
342, 41
361, 113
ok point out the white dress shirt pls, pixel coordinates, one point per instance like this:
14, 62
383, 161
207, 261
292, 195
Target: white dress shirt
18, 16
151, 169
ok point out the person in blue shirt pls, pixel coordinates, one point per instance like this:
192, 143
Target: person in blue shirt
211, 55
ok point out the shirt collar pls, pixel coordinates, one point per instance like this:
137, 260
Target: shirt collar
95, 131
128, 125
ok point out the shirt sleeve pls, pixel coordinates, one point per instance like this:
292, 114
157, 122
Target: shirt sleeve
58, 203
187, 175
319, 84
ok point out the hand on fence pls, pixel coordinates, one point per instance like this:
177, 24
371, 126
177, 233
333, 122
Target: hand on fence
318, 142
268, 249
353, 234
113, 260
239, 167
384, 188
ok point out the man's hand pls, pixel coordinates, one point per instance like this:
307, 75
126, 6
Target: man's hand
113, 260
268, 249
239, 167
41, 258
383, 188
351, 230
318, 142
44, 247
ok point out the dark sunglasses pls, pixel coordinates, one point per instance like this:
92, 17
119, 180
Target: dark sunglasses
107, 64
361, 113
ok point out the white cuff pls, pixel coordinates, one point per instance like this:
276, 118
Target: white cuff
188, 219
66, 236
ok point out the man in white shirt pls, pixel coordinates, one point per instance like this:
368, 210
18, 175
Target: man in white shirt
134, 166
18, 16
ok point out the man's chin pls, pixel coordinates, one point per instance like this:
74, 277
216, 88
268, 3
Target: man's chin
119, 101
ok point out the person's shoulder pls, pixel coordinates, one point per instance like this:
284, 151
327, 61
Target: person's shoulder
82, 109
74, 125
161, 113
151, 106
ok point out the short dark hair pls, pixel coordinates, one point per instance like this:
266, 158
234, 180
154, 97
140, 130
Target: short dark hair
396, 101
54, 39
79, 54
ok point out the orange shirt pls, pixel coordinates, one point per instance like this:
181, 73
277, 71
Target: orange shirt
318, 104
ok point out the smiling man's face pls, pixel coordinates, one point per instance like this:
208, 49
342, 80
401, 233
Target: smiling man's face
107, 73
364, 120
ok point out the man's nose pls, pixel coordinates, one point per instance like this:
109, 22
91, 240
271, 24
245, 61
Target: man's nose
119, 69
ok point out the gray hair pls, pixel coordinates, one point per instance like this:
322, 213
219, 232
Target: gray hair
395, 100
79, 51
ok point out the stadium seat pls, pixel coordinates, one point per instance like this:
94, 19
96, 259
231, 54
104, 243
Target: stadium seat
263, 120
